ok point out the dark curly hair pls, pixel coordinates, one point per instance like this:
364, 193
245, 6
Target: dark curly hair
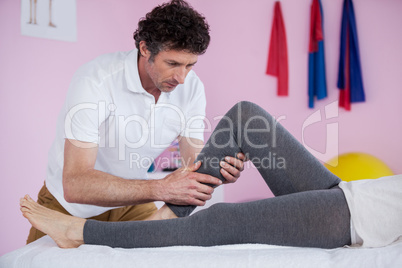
174, 25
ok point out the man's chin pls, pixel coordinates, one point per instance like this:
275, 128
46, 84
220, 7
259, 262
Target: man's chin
167, 89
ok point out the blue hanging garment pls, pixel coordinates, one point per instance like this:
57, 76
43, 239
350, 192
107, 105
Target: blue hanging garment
350, 81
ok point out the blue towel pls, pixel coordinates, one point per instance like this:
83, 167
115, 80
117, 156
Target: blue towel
356, 80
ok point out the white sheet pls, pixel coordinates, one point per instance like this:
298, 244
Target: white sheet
44, 253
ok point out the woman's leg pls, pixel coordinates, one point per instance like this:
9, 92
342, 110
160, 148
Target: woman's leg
318, 218
286, 166
302, 215
308, 217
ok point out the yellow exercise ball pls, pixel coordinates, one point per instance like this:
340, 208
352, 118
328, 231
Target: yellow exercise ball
358, 166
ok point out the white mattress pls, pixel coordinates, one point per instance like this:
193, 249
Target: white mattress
44, 253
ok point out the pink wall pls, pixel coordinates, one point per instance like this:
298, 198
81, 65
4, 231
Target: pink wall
36, 74
236, 61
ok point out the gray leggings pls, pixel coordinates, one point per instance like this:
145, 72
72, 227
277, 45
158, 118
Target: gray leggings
308, 210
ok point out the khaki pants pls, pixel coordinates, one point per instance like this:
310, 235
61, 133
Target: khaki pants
129, 213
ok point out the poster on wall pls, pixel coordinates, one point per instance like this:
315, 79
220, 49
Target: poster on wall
52, 19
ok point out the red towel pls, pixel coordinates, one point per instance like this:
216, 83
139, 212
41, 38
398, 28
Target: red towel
344, 95
278, 52
315, 27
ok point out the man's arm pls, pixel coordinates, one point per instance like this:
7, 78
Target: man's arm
83, 184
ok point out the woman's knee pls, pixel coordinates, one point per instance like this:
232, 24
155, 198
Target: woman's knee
244, 110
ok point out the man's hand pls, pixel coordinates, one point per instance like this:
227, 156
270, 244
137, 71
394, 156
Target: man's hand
186, 187
232, 167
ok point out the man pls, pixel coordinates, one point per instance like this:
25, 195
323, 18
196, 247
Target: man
125, 108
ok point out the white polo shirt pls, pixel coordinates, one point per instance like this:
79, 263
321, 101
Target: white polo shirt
107, 105
376, 209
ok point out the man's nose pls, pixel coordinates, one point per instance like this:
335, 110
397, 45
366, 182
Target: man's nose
180, 75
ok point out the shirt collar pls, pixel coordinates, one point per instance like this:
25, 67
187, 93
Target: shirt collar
132, 75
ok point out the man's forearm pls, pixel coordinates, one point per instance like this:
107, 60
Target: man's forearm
102, 189
94, 187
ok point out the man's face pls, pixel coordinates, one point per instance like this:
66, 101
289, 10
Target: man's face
170, 68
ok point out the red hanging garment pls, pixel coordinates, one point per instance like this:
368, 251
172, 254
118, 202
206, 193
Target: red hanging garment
278, 52
344, 95
315, 27
317, 81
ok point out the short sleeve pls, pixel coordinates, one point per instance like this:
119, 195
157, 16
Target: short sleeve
86, 109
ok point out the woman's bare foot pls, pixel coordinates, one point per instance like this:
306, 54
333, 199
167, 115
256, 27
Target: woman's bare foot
65, 230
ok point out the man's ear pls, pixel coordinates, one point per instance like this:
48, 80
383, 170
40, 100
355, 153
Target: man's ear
143, 50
